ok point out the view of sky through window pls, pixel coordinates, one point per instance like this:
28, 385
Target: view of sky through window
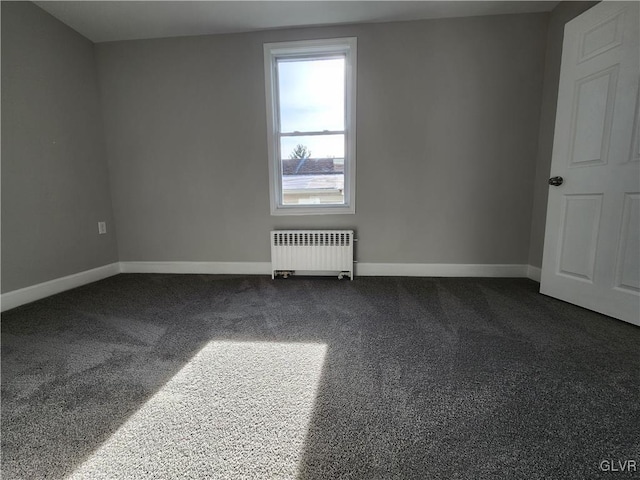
312, 99
320, 146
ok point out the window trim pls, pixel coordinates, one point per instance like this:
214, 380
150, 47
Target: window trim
272, 51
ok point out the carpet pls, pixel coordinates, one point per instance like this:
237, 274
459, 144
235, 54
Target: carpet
203, 376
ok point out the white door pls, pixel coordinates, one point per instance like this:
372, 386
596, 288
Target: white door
592, 239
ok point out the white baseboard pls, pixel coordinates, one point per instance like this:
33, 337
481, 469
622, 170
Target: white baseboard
440, 270
219, 268
19, 297
534, 273
362, 269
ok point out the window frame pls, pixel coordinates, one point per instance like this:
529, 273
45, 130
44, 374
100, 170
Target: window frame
310, 48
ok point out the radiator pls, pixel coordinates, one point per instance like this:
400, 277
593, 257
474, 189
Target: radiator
312, 251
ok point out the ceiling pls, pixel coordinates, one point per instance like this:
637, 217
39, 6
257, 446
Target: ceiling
104, 21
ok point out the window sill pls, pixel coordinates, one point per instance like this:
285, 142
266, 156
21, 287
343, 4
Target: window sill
311, 210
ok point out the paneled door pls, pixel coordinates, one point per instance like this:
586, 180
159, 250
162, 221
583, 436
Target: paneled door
592, 239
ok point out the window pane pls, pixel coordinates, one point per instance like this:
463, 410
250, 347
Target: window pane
312, 170
317, 146
311, 94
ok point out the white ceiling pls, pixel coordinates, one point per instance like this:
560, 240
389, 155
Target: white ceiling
103, 21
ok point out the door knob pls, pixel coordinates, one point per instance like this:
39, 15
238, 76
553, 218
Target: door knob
556, 181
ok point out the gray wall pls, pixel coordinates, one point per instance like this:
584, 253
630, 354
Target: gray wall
54, 172
448, 118
560, 15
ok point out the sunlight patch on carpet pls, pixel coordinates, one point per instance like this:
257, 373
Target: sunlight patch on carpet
236, 410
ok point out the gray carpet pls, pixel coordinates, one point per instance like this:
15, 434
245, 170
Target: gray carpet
196, 376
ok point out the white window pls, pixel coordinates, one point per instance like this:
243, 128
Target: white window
311, 125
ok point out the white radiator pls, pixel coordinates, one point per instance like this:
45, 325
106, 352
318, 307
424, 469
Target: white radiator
312, 251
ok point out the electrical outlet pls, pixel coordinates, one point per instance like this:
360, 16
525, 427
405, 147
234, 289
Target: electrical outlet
102, 228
